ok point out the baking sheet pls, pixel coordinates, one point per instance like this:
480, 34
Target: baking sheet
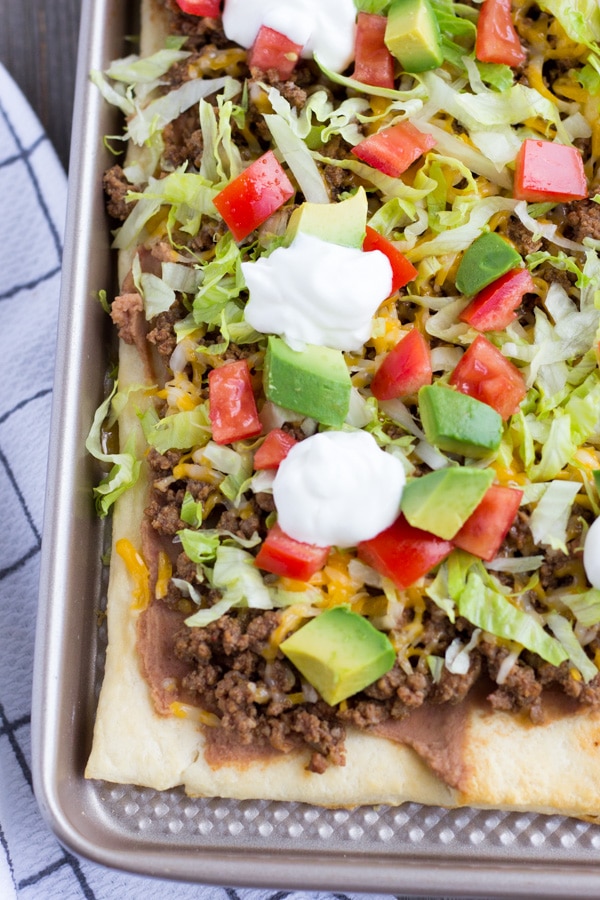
411, 849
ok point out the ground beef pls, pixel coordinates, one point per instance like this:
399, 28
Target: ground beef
250, 695
454, 687
162, 463
208, 235
521, 688
582, 220
555, 571
242, 525
166, 496
183, 141
116, 186
127, 313
339, 180
162, 333
562, 677
521, 237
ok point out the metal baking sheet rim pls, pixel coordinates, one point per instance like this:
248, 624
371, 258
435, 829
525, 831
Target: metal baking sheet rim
70, 596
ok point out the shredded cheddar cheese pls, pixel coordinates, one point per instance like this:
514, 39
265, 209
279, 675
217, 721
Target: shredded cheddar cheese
138, 572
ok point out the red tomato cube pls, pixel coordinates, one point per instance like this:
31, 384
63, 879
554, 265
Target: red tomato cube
282, 555
403, 270
545, 170
373, 62
394, 149
497, 40
273, 50
484, 373
405, 369
495, 306
232, 407
485, 529
254, 195
403, 553
210, 8
274, 449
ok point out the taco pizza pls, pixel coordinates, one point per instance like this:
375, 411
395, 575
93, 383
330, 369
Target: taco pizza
355, 553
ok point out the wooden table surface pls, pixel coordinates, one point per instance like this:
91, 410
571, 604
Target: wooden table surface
38, 46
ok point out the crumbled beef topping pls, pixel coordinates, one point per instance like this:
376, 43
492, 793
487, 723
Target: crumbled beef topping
116, 187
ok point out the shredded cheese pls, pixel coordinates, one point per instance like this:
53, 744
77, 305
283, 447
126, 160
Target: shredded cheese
138, 571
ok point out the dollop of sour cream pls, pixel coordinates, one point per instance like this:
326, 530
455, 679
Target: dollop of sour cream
316, 292
591, 554
338, 488
324, 27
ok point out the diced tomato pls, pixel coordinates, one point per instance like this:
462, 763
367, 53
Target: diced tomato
403, 553
282, 555
200, 7
394, 149
403, 270
274, 449
497, 40
495, 306
485, 529
254, 195
373, 62
545, 170
232, 407
273, 50
405, 369
484, 373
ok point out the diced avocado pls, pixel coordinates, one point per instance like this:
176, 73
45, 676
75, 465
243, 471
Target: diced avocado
457, 423
488, 257
338, 223
339, 652
596, 474
413, 36
314, 381
442, 501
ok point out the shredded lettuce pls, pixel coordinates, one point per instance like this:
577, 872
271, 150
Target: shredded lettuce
237, 577
145, 70
200, 546
549, 519
298, 157
191, 511
579, 18
179, 431
155, 115
488, 609
222, 281
158, 297
125, 467
189, 196
585, 606
221, 158
563, 632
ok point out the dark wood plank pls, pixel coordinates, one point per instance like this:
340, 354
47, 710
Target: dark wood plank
38, 46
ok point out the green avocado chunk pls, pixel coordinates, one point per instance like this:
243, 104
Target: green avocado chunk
338, 223
413, 36
314, 381
488, 257
339, 652
457, 423
442, 501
